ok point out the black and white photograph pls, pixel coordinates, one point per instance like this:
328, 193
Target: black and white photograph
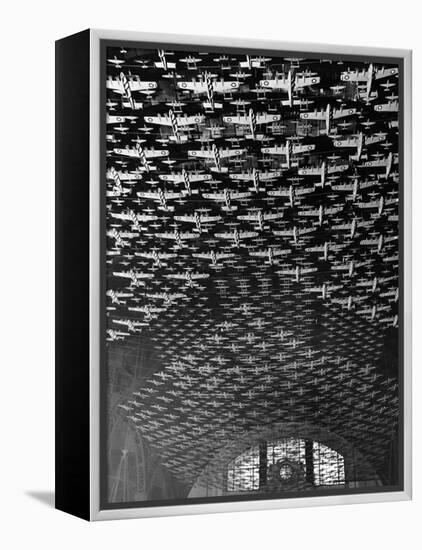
210, 291
252, 292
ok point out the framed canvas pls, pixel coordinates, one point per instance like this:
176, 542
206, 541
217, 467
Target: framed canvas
233, 274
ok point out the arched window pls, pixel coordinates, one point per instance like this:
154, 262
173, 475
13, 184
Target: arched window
289, 463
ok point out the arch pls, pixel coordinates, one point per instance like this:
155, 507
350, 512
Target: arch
213, 479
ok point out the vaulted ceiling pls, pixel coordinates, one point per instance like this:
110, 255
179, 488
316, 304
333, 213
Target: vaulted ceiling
252, 251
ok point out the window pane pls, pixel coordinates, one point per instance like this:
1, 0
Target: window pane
328, 465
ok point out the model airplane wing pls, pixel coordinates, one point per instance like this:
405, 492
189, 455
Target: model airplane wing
225, 235
190, 120
318, 170
167, 235
266, 118
346, 142
265, 253
369, 241
154, 153
303, 148
333, 209
227, 153
375, 163
179, 178
259, 253
309, 213
283, 232
176, 276
162, 120
118, 86
287, 271
222, 86
137, 152
343, 113
239, 195
202, 153
263, 176
303, 190
370, 140
279, 193
186, 218
120, 216
181, 121
205, 218
173, 195
224, 255
148, 195
278, 84
314, 115
355, 76
214, 196
369, 204
310, 171
276, 150
301, 81
384, 73
203, 255
239, 119
131, 275
194, 86
249, 217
